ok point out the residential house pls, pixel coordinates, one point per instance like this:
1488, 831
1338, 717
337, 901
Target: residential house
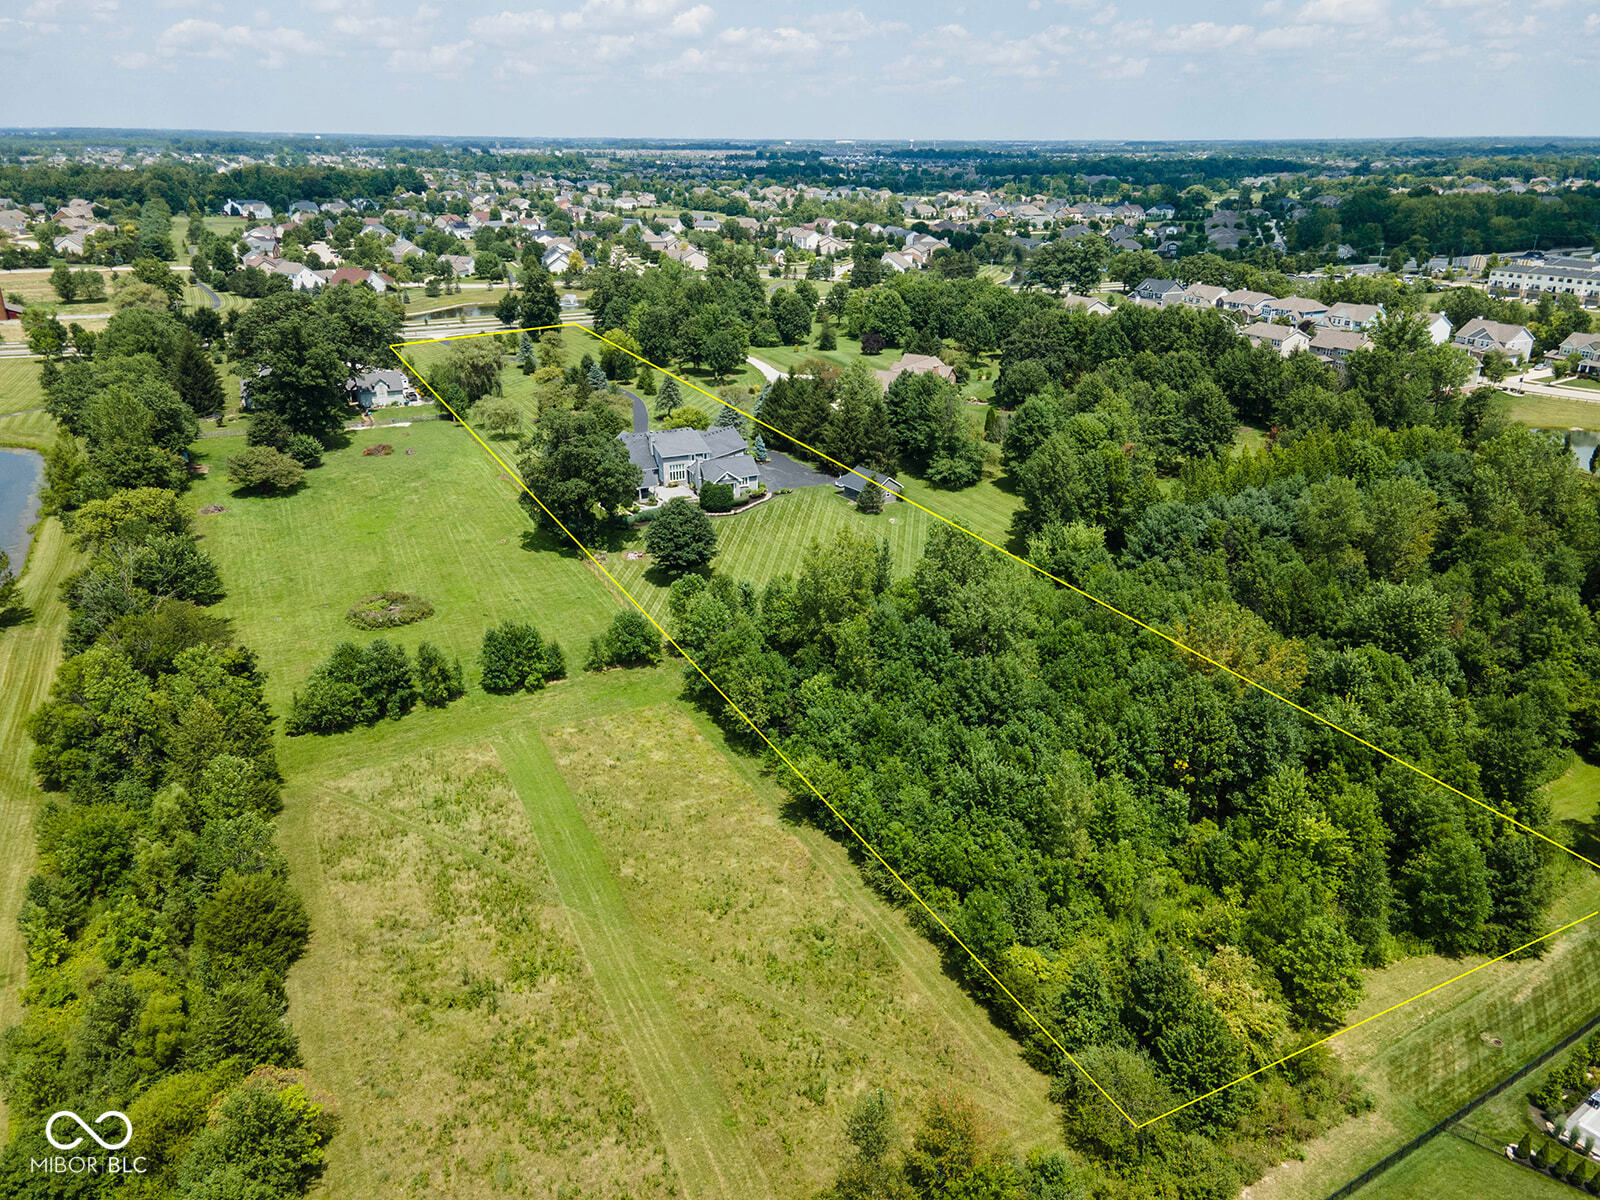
1586, 346
669, 458
461, 265
1525, 277
70, 244
1285, 339
1155, 291
690, 256
357, 275
1244, 302
1437, 325
1479, 336
854, 480
10, 310
381, 388
1333, 346
301, 277
1089, 304
254, 210
917, 364
1359, 317
1197, 295
1297, 309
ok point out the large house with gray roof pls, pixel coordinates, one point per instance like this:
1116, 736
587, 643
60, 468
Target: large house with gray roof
669, 458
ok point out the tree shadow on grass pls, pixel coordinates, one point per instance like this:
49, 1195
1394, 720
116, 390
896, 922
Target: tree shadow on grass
17, 614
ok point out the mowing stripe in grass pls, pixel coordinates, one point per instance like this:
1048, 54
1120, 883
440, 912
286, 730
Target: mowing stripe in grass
696, 1122
28, 657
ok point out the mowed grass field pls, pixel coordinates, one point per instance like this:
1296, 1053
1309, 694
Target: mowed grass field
19, 385
29, 654
502, 1000
1452, 1167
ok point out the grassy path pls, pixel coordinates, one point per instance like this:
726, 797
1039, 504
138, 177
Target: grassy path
696, 1122
29, 654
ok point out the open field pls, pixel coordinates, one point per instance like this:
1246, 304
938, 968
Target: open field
33, 430
19, 385
29, 653
431, 518
420, 303
34, 287
443, 1000
786, 358
1451, 1166
479, 968
1553, 412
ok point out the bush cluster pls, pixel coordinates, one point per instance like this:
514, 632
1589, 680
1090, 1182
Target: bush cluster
388, 610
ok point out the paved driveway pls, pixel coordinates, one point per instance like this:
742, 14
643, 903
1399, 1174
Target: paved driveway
781, 471
641, 414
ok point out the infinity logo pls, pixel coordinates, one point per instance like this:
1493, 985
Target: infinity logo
50, 1136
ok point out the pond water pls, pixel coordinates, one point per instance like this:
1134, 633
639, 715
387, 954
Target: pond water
21, 472
1581, 442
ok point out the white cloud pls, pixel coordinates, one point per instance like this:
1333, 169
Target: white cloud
1204, 35
692, 22
441, 60
1591, 23
1342, 12
1121, 67
769, 43
272, 48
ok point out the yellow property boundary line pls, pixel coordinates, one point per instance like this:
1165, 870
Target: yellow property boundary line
515, 475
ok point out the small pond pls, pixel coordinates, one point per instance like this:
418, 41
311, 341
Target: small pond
21, 473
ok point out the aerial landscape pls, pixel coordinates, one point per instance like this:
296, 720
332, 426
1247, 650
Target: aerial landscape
898, 604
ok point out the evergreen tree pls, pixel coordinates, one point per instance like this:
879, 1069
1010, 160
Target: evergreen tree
759, 450
438, 680
871, 499
596, 378
827, 339
647, 381
195, 378
669, 399
526, 355
540, 304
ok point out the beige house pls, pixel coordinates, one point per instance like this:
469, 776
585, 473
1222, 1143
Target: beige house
1285, 339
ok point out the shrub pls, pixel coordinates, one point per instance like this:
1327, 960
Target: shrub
681, 537
438, 680
356, 685
304, 449
263, 469
388, 610
717, 497
631, 641
252, 924
515, 658
267, 428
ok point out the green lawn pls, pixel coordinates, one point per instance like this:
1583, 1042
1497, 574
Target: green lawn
1452, 1167
34, 287
19, 385
1553, 412
29, 653
33, 430
421, 303
785, 358
1579, 381
643, 1043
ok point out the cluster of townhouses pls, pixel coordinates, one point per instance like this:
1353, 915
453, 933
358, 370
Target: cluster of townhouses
1332, 332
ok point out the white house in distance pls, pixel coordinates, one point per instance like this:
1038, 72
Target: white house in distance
1285, 339
672, 458
1479, 336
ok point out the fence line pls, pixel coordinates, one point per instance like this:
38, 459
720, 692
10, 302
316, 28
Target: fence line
1389, 1160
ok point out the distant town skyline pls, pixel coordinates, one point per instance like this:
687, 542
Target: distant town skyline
892, 70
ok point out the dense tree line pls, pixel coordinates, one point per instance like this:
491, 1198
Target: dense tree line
1178, 873
160, 924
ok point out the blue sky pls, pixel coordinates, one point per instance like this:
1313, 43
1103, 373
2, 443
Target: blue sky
1045, 69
